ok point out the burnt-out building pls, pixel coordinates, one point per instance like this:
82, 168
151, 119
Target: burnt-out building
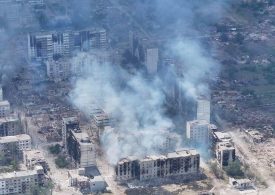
225, 153
10, 126
50, 45
128, 168
80, 148
77, 143
223, 148
183, 163
68, 124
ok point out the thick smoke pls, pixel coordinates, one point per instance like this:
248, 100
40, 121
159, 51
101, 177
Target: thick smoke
197, 67
16, 18
136, 102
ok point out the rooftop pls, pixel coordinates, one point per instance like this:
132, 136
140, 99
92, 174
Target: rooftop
82, 137
222, 136
33, 154
182, 153
4, 103
153, 157
17, 174
225, 146
15, 138
176, 154
128, 159
197, 122
10, 118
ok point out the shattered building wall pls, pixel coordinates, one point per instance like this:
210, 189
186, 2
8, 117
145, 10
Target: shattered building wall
80, 148
68, 123
184, 163
44, 46
10, 126
225, 153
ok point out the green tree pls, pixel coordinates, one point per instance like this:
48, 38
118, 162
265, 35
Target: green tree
55, 149
216, 170
61, 162
234, 169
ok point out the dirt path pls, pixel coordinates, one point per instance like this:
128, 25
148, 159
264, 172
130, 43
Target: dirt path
252, 160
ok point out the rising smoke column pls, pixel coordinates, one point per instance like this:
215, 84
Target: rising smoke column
198, 67
138, 103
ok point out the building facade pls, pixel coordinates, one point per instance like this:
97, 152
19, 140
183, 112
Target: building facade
225, 153
33, 158
198, 132
80, 148
21, 182
203, 110
183, 163
152, 60
4, 108
22, 142
58, 70
10, 126
68, 124
77, 143
47, 46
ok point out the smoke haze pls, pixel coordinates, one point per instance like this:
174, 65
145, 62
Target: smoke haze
136, 102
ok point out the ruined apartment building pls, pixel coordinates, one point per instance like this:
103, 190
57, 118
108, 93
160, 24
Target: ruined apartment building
225, 153
10, 125
5, 109
48, 45
64, 68
22, 142
68, 123
9, 122
223, 148
184, 163
21, 182
77, 143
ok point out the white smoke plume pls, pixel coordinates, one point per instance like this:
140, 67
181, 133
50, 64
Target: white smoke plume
198, 66
136, 103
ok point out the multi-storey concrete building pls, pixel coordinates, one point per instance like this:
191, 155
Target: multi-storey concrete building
46, 46
4, 108
77, 143
225, 153
183, 163
199, 132
23, 141
10, 126
33, 158
203, 110
64, 68
102, 119
86, 182
17, 13
21, 182
152, 60
223, 148
81, 148
1, 94
68, 124
58, 70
